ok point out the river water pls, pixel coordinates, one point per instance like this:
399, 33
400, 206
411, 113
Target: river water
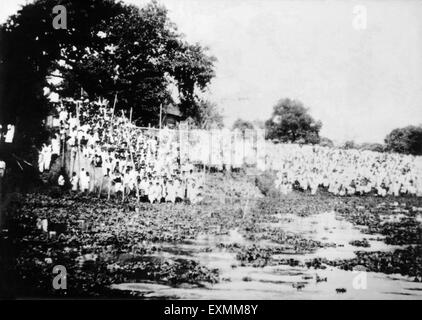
283, 281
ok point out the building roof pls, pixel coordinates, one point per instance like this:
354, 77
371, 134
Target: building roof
172, 110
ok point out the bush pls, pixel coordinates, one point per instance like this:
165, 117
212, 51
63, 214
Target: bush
265, 183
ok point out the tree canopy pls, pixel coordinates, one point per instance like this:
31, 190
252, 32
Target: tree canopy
242, 125
406, 140
378, 147
291, 122
325, 142
349, 144
107, 48
210, 117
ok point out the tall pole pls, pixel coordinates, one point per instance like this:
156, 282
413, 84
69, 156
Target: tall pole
63, 151
77, 112
161, 113
77, 137
1, 196
133, 166
114, 106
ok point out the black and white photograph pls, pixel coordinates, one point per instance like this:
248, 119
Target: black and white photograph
211, 150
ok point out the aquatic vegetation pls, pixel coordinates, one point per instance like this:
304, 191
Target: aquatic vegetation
102, 243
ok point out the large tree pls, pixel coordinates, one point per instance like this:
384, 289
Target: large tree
107, 48
29, 47
406, 140
291, 122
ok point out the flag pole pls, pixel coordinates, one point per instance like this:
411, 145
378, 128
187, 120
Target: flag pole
161, 113
114, 106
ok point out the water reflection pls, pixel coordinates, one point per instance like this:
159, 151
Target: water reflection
283, 281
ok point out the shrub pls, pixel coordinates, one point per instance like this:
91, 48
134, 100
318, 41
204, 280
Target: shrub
265, 183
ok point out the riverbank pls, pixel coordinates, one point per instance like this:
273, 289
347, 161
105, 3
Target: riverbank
232, 241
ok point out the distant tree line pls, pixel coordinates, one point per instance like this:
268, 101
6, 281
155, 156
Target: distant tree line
407, 140
291, 122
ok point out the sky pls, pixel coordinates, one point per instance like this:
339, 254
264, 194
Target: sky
360, 82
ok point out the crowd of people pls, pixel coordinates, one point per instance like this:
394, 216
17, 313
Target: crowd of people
347, 172
106, 153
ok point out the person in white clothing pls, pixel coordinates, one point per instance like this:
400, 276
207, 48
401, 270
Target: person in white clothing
10, 133
74, 181
55, 145
2, 168
41, 161
84, 180
171, 192
46, 150
61, 181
